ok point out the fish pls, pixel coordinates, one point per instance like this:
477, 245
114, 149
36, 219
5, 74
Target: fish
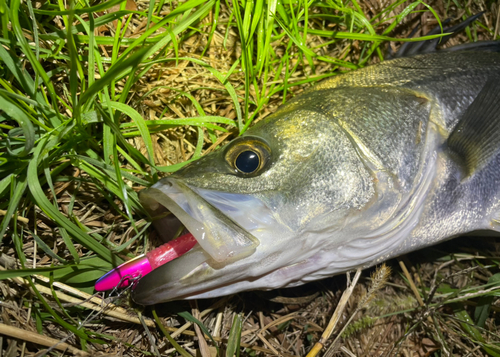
365, 166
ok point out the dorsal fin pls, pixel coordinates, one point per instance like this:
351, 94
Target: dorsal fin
476, 138
489, 46
408, 49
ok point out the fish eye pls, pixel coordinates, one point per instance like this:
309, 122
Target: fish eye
247, 161
248, 156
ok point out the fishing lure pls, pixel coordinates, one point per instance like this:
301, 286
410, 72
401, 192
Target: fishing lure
125, 274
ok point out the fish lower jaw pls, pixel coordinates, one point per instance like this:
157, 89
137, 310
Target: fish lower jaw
196, 275
288, 276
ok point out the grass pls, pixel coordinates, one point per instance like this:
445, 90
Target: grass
99, 100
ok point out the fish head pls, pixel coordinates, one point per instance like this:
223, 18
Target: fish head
260, 207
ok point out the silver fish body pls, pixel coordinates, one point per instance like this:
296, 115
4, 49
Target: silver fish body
363, 167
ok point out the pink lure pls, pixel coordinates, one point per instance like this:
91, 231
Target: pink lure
144, 264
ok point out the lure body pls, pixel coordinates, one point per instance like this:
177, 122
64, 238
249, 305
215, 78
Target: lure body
123, 275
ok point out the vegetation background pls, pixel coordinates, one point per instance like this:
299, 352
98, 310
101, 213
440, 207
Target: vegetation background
100, 99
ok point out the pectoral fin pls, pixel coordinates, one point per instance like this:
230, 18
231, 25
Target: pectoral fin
476, 138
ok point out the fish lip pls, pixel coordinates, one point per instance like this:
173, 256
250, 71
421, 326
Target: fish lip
213, 229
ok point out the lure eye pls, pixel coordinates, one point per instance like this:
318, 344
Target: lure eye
247, 161
248, 156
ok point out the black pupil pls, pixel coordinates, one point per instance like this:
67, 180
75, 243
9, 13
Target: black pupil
247, 162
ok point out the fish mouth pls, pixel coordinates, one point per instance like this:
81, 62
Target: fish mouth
222, 224
219, 236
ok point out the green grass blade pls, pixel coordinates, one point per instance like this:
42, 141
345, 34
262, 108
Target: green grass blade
194, 121
140, 123
174, 343
69, 244
111, 183
482, 310
234, 339
118, 70
175, 167
18, 189
181, 25
5, 183
39, 70
46, 248
186, 315
21, 273
87, 10
16, 113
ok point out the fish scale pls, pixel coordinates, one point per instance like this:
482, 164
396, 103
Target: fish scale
452, 78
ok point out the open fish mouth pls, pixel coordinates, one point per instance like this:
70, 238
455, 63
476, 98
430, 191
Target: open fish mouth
219, 236
224, 225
